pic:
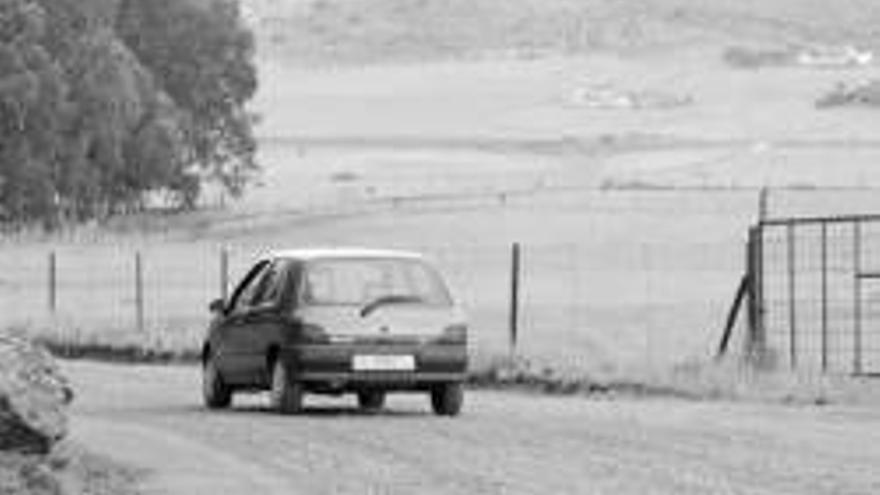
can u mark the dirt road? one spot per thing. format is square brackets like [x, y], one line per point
[505, 443]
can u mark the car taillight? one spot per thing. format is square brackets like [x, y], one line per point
[455, 334]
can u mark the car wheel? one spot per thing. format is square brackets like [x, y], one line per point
[447, 399]
[285, 395]
[216, 394]
[371, 400]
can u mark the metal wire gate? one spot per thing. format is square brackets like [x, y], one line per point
[813, 293]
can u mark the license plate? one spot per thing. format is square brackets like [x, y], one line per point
[383, 363]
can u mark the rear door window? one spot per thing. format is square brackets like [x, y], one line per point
[358, 281]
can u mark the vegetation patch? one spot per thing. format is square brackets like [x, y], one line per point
[120, 346]
[119, 353]
[68, 470]
[524, 374]
[731, 379]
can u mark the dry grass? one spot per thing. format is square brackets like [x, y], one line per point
[696, 379]
[732, 379]
[578, 371]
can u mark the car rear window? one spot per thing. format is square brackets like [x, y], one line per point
[358, 281]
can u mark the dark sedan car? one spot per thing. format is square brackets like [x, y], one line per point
[337, 321]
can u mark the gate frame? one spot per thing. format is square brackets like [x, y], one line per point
[757, 336]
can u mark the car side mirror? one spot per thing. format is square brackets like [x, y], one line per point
[217, 306]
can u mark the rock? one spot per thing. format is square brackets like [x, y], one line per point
[33, 397]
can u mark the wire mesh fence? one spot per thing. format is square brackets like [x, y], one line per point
[596, 305]
[609, 297]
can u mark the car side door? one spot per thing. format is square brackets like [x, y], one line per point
[229, 352]
[258, 325]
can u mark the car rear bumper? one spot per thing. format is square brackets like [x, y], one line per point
[331, 365]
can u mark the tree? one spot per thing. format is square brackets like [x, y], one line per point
[202, 56]
[126, 127]
[33, 106]
[105, 101]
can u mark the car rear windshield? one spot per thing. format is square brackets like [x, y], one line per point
[360, 281]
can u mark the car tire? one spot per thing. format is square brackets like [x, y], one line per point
[285, 395]
[447, 399]
[371, 400]
[215, 393]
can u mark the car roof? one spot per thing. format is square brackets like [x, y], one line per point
[341, 253]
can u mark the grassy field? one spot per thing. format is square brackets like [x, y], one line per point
[452, 128]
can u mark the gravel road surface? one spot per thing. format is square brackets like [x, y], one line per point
[504, 443]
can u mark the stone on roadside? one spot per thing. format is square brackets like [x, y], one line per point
[33, 397]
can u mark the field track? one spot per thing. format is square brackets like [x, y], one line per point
[507, 443]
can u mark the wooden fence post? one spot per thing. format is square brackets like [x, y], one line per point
[824, 281]
[791, 244]
[139, 291]
[53, 281]
[513, 322]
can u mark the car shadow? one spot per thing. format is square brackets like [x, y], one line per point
[310, 411]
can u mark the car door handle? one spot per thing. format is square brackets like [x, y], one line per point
[253, 315]
[248, 318]
[236, 319]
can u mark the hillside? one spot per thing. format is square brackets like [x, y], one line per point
[351, 31]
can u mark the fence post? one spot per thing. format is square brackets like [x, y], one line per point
[758, 288]
[824, 264]
[763, 200]
[755, 294]
[751, 306]
[757, 330]
[139, 291]
[857, 299]
[792, 295]
[53, 281]
[224, 273]
[513, 321]
[574, 320]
